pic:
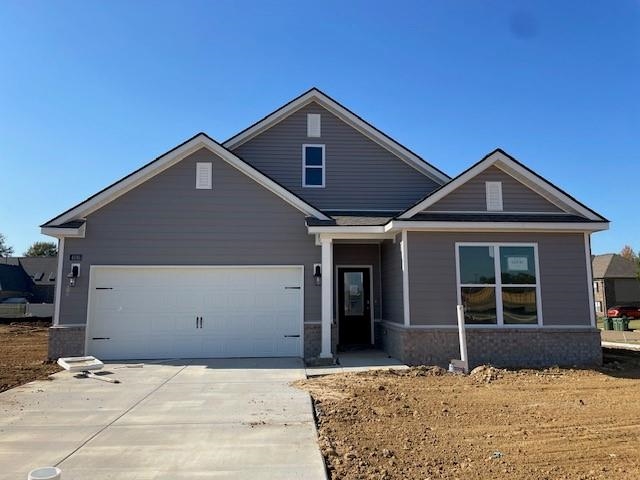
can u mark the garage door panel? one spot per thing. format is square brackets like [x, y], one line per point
[150, 312]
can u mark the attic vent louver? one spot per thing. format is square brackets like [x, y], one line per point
[494, 196]
[313, 125]
[203, 175]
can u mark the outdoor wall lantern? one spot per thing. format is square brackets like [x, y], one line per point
[317, 274]
[73, 274]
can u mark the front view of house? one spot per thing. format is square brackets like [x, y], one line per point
[310, 232]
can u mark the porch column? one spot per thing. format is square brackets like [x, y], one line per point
[327, 293]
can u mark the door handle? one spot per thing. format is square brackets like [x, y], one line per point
[292, 336]
[197, 322]
[201, 322]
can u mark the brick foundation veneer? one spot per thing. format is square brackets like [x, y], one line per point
[66, 341]
[313, 339]
[507, 347]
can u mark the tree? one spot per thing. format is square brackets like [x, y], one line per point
[5, 250]
[627, 252]
[42, 249]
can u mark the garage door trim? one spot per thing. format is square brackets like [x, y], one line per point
[91, 288]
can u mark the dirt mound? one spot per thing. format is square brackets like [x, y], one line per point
[23, 353]
[426, 423]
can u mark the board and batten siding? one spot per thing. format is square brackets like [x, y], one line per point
[471, 196]
[360, 174]
[391, 269]
[563, 275]
[360, 254]
[167, 221]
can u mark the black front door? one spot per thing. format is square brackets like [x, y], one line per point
[354, 306]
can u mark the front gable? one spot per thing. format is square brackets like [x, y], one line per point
[71, 222]
[359, 174]
[516, 197]
[499, 185]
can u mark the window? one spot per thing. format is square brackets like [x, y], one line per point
[203, 176]
[313, 125]
[313, 165]
[598, 306]
[494, 196]
[498, 284]
[596, 287]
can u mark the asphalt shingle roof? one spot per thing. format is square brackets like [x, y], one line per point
[612, 265]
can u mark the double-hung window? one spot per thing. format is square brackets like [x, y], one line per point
[499, 284]
[313, 166]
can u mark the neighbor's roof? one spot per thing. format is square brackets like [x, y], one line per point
[612, 265]
[14, 279]
[42, 270]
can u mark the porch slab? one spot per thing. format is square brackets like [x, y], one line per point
[357, 361]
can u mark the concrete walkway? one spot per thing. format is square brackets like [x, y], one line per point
[191, 419]
[358, 361]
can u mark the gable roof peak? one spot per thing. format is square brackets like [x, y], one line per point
[347, 116]
[517, 170]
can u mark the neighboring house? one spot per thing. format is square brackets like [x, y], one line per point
[312, 231]
[615, 282]
[14, 282]
[42, 271]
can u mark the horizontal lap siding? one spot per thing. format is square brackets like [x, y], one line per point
[166, 221]
[392, 300]
[563, 275]
[360, 174]
[516, 197]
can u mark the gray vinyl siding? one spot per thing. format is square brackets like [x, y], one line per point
[563, 275]
[361, 254]
[391, 268]
[166, 221]
[516, 197]
[360, 174]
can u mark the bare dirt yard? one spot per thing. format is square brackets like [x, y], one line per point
[425, 423]
[23, 354]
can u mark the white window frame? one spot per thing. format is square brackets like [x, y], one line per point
[498, 283]
[596, 286]
[305, 166]
[499, 206]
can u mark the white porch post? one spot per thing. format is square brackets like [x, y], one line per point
[327, 293]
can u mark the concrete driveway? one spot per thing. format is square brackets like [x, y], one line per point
[185, 419]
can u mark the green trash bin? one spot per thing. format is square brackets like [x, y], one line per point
[624, 323]
[620, 324]
[607, 323]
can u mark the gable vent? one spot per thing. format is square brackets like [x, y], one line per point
[494, 196]
[203, 176]
[313, 125]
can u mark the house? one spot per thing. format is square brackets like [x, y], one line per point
[41, 271]
[615, 282]
[312, 231]
[14, 282]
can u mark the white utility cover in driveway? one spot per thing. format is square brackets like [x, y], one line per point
[195, 312]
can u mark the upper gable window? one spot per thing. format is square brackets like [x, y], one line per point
[494, 196]
[313, 125]
[203, 176]
[313, 165]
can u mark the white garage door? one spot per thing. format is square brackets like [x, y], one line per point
[195, 312]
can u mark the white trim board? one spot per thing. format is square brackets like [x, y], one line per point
[315, 95]
[168, 160]
[502, 161]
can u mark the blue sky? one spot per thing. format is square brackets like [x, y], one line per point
[89, 91]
